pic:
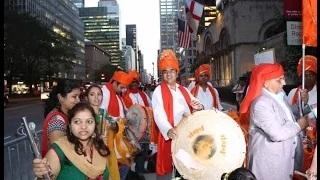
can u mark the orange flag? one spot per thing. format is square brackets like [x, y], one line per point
[309, 22]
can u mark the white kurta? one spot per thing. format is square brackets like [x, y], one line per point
[312, 101]
[137, 99]
[180, 107]
[205, 98]
[106, 101]
[312, 95]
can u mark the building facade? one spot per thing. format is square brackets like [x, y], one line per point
[131, 36]
[101, 26]
[62, 17]
[241, 29]
[129, 58]
[168, 24]
[96, 58]
[114, 31]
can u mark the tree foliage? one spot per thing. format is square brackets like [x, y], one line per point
[32, 50]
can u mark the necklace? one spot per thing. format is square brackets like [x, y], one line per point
[90, 155]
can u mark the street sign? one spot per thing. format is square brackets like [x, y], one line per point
[294, 33]
[266, 56]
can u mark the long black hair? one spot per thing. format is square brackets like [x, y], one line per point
[96, 140]
[63, 87]
[239, 174]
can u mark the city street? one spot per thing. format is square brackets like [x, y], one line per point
[33, 110]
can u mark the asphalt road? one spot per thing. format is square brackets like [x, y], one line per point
[13, 114]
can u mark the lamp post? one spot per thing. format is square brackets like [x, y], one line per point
[153, 69]
[211, 63]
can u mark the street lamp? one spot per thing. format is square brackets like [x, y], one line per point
[153, 69]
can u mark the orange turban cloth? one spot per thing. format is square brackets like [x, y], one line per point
[310, 64]
[134, 75]
[259, 75]
[122, 77]
[204, 68]
[167, 60]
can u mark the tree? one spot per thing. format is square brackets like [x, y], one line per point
[32, 50]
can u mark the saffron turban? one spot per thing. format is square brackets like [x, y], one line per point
[167, 60]
[260, 74]
[203, 69]
[310, 64]
[134, 75]
[122, 77]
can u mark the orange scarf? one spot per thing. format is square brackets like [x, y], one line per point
[164, 159]
[128, 101]
[195, 91]
[113, 108]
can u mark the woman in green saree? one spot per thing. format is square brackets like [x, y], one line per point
[81, 154]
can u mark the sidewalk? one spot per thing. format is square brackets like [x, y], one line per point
[228, 106]
[23, 99]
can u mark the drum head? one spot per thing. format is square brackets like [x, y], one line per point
[209, 143]
[137, 120]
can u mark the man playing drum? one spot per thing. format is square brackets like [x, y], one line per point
[170, 101]
[203, 90]
[136, 96]
[113, 105]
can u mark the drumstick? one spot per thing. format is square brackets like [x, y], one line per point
[300, 173]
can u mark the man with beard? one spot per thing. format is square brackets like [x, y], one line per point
[203, 90]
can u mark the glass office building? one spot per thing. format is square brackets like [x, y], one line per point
[101, 26]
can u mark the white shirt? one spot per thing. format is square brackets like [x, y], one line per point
[180, 107]
[106, 101]
[137, 99]
[312, 95]
[205, 98]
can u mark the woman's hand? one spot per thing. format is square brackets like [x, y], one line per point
[40, 167]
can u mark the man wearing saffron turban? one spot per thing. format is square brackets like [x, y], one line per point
[170, 102]
[203, 90]
[273, 128]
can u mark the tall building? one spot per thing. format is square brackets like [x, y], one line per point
[101, 25]
[96, 58]
[62, 17]
[78, 3]
[131, 36]
[131, 40]
[168, 24]
[129, 58]
[114, 32]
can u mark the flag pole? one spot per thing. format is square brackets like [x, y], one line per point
[303, 63]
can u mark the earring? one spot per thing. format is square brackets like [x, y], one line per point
[93, 135]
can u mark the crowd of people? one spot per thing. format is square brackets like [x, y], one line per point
[85, 138]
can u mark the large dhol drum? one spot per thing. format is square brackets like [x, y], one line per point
[209, 143]
[139, 121]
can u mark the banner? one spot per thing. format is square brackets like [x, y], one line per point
[309, 22]
[292, 9]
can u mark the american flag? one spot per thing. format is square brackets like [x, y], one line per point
[184, 34]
